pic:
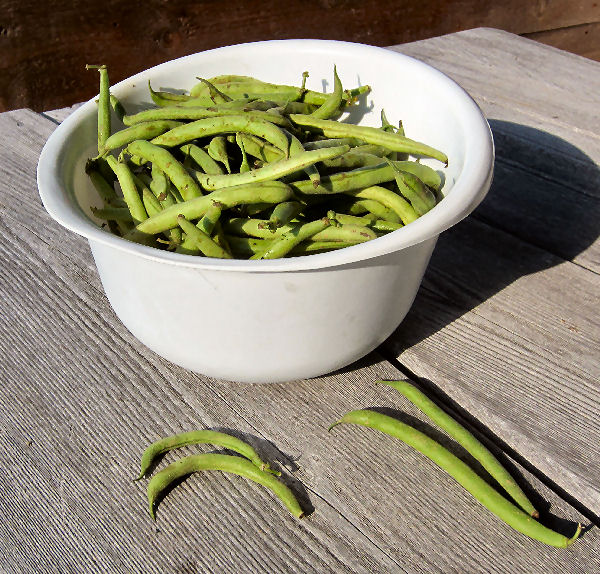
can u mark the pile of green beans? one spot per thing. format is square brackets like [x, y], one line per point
[521, 516]
[183, 175]
[249, 465]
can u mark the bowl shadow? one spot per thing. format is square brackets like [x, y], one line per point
[542, 209]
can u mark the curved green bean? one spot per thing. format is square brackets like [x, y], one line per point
[461, 435]
[206, 163]
[365, 177]
[273, 192]
[411, 187]
[224, 125]
[462, 473]
[129, 189]
[286, 242]
[141, 131]
[271, 171]
[395, 202]
[202, 241]
[200, 437]
[392, 141]
[182, 180]
[333, 102]
[226, 463]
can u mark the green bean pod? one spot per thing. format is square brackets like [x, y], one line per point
[182, 180]
[411, 187]
[366, 176]
[462, 473]
[220, 125]
[226, 463]
[269, 192]
[271, 171]
[206, 163]
[129, 189]
[467, 440]
[392, 141]
[201, 241]
[286, 242]
[333, 103]
[141, 131]
[398, 204]
[217, 149]
[103, 105]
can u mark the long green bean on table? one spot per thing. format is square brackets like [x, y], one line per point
[237, 147]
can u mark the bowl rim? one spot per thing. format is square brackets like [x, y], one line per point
[468, 190]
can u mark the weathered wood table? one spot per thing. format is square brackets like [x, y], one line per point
[505, 333]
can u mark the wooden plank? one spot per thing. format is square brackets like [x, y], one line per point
[548, 150]
[582, 39]
[81, 398]
[48, 44]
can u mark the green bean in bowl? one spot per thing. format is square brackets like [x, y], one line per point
[241, 168]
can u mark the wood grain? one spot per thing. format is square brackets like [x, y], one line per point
[45, 45]
[581, 39]
[81, 398]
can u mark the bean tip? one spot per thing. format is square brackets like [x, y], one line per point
[336, 423]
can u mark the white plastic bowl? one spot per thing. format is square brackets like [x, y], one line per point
[279, 320]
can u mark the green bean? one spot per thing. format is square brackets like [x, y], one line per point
[461, 435]
[244, 165]
[368, 221]
[374, 207]
[248, 246]
[166, 98]
[352, 160]
[217, 149]
[415, 191]
[141, 131]
[286, 242]
[179, 440]
[103, 105]
[332, 104]
[263, 230]
[388, 198]
[129, 189]
[365, 177]
[284, 212]
[317, 144]
[182, 180]
[104, 188]
[462, 473]
[271, 171]
[392, 141]
[151, 204]
[270, 192]
[117, 106]
[250, 87]
[112, 213]
[226, 463]
[222, 125]
[201, 240]
[216, 95]
[179, 113]
[260, 149]
[206, 163]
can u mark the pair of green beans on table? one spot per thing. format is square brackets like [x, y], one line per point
[249, 465]
[177, 176]
[520, 516]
